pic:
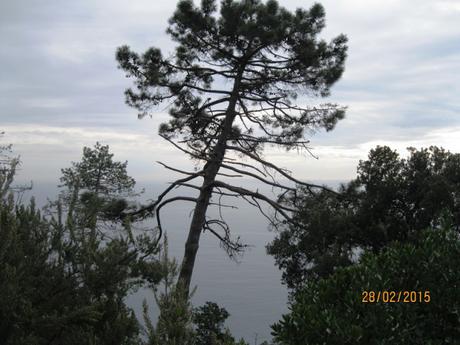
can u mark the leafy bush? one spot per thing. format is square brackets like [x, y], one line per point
[330, 311]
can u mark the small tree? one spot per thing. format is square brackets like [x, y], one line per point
[233, 85]
[97, 185]
[96, 190]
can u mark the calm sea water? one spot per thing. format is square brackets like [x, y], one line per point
[250, 290]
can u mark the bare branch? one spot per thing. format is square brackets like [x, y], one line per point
[243, 191]
[194, 155]
[180, 171]
[247, 173]
[160, 206]
[232, 161]
[151, 207]
[279, 170]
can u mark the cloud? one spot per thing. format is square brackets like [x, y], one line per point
[61, 89]
[44, 150]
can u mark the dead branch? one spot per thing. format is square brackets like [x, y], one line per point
[231, 247]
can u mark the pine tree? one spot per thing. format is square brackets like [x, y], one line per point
[234, 84]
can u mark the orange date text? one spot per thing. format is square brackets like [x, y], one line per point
[395, 296]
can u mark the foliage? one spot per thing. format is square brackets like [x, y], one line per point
[45, 299]
[98, 173]
[95, 191]
[331, 311]
[62, 284]
[97, 186]
[209, 322]
[392, 199]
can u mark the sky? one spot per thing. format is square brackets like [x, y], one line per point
[60, 88]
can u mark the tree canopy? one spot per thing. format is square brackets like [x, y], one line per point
[391, 199]
[234, 84]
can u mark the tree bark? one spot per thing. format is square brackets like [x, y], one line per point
[210, 171]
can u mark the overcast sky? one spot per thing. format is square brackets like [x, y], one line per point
[60, 88]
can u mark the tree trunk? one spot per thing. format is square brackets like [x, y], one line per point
[210, 171]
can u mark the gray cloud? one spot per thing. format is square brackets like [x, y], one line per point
[59, 76]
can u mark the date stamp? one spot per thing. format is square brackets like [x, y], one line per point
[395, 296]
